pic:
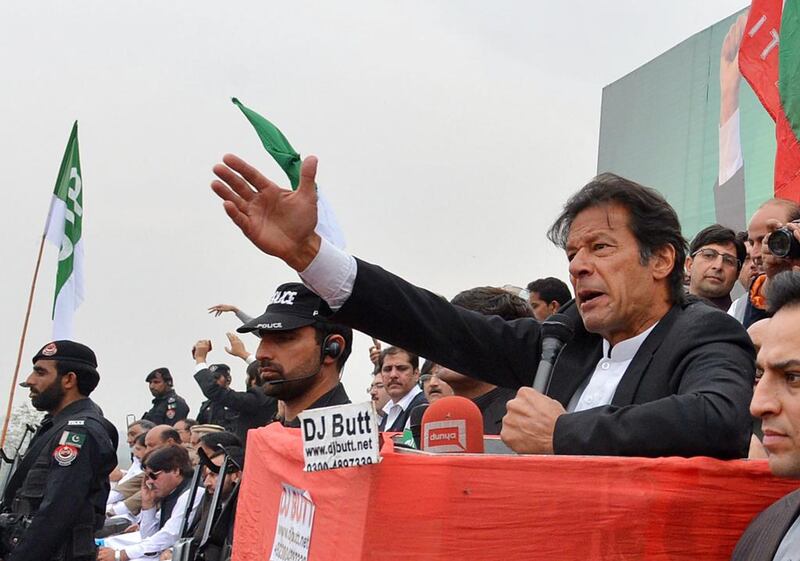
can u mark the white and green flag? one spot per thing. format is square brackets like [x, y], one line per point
[64, 225]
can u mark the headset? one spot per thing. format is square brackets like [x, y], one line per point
[330, 348]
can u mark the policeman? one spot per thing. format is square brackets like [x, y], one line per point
[253, 408]
[168, 407]
[56, 498]
[213, 412]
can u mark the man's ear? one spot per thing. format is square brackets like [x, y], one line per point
[662, 261]
[69, 380]
[339, 340]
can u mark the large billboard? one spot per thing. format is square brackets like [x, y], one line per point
[687, 124]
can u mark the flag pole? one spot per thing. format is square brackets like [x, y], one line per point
[22, 344]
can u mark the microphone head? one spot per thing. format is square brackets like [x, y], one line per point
[559, 326]
[452, 424]
[415, 423]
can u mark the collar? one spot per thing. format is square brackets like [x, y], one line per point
[74, 407]
[405, 401]
[624, 351]
[336, 396]
[167, 395]
[757, 297]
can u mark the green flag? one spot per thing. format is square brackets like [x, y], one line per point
[64, 228]
[279, 148]
[275, 143]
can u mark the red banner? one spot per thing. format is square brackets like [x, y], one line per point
[759, 65]
[503, 508]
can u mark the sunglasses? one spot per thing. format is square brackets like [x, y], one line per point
[153, 475]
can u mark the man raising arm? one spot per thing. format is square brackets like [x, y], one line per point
[647, 373]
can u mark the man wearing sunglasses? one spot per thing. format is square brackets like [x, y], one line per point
[165, 494]
[713, 264]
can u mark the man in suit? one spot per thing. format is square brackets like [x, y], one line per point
[400, 372]
[648, 372]
[775, 533]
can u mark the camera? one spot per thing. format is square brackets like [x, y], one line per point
[782, 243]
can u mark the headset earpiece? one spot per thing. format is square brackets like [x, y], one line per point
[331, 348]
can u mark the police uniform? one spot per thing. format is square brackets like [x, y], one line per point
[58, 492]
[167, 409]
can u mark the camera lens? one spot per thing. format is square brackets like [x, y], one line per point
[782, 244]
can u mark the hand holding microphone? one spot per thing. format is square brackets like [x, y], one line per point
[530, 422]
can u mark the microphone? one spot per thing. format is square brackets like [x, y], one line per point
[415, 423]
[452, 424]
[556, 332]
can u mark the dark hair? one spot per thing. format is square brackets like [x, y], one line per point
[171, 433]
[427, 366]
[652, 221]
[720, 235]
[212, 439]
[323, 329]
[391, 351]
[163, 372]
[783, 290]
[169, 458]
[491, 301]
[140, 439]
[551, 289]
[144, 423]
[188, 422]
[87, 376]
[253, 373]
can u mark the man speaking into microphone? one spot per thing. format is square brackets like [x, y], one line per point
[648, 372]
[301, 354]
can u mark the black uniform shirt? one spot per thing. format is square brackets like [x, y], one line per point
[337, 396]
[255, 408]
[62, 482]
[167, 409]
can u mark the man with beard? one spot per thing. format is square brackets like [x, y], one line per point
[55, 500]
[301, 355]
[168, 407]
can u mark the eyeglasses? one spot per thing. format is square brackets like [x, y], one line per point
[153, 475]
[426, 378]
[374, 387]
[711, 255]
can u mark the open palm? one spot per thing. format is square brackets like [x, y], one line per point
[278, 221]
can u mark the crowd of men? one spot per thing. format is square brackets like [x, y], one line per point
[660, 363]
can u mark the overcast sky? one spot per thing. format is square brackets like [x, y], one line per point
[449, 135]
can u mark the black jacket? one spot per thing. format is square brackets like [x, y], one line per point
[400, 423]
[254, 408]
[336, 396]
[763, 536]
[493, 408]
[686, 392]
[62, 482]
[167, 409]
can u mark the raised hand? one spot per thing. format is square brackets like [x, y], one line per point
[237, 348]
[278, 221]
[219, 309]
[729, 76]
